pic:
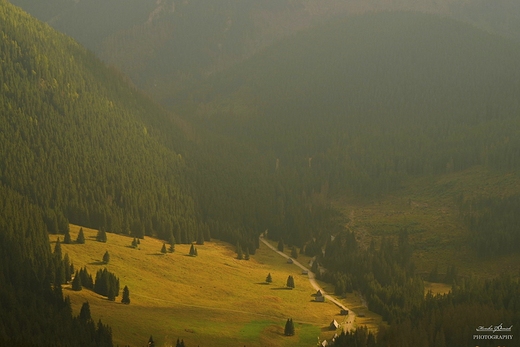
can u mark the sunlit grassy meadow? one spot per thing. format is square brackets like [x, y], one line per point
[209, 300]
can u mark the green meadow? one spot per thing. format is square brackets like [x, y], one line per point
[213, 299]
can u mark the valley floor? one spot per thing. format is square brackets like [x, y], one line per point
[209, 300]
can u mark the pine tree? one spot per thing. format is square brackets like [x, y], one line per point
[240, 256]
[280, 245]
[172, 243]
[106, 257]
[134, 243]
[269, 279]
[84, 313]
[67, 240]
[76, 282]
[57, 249]
[111, 292]
[163, 249]
[66, 268]
[101, 235]
[246, 256]
[151, 343]
[81, 237]
[290, 282]
[126, 296]
[289, 328]
[193, 251]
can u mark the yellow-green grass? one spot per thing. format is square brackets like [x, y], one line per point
[436, 288]
[352, 300]
[209, 300]
[427, 208]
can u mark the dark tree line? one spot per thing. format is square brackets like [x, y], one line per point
[33, 310]
[494, 223]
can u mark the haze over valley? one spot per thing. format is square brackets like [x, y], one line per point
[204, 170]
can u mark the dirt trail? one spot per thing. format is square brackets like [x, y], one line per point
[349, 319]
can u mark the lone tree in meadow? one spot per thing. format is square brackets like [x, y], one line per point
[101, 235]
[106, 257]
[289, 328]
[163, 249]
[290, 282]
[280, 245]
[134, 243]
[67, 239]
[193, 251]
[269, 279]
[126, 296]
[81, 237]
[151, 343]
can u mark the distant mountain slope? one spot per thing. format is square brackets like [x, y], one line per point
[163, 45]
[374, 98]
[79, 142]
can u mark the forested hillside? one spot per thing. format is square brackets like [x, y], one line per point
[165, 45]
[365, 102]
[81, 144]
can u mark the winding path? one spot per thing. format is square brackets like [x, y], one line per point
[348, 323]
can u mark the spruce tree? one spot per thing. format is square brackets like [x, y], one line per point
[76, 282]
[289, 328]
[84, 313]
[172, 243]
[240, 256]
[269, 279]
[57, 249]
[193, 252]
[246, 256]
[151, 343]
[163, 249]
[67, 240]
[81, 237]
[280, 245]
[101, 235]
[106, 257]
[290, 282]
[111, 292]
[126, 296]
[66, 268]
[134, 243]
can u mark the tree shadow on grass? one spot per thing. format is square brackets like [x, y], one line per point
[99, 262]
[281, 288]
[156, 254]
[262, 283]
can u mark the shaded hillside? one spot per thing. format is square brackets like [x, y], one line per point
[373, 99]
[81, 144]
[163, 45]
